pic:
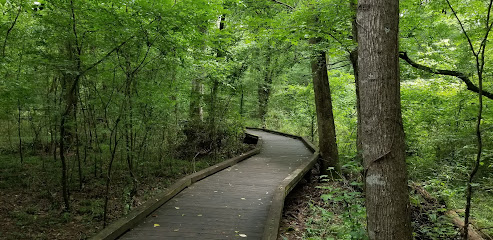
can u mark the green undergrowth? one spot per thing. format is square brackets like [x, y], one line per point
[448, 185]
[335, 209]
[339, 215]
[32, 203]
[429, 220]
[453, 195]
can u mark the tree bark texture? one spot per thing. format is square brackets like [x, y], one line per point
[196, 112]
[19, 130]
[325, 117]
[264, 91]
[353, 57]
[382, 134]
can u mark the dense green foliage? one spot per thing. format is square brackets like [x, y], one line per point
[160, 90]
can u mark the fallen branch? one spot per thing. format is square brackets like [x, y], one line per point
[425, 194]
[472, 233]
[470, 85]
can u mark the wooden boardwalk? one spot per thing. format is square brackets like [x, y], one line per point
[230, 204]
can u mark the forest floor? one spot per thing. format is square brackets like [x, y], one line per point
[31, 202]
[335, 210]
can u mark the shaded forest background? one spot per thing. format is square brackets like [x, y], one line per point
[103, 104]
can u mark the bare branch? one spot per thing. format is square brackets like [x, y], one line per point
[470, 85]
[74, 28]
[482, 47]
[463, 29]
[284, 4]
[106, 56]
[9, 30]
[489, 12]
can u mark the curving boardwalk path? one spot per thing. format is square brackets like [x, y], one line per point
[230, 204]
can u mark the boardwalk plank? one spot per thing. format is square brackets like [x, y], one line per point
[226, 204]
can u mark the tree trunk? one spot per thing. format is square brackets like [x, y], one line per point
[113, 146]
[213, 113]
[19, 130]
[382, 134]
[69, 87]
[77, 149]
[354, 61]
[264, 91]
[325, 119]
[9, 136]
[196, 113]
[128, 125]
[242, 100]
[353, 56]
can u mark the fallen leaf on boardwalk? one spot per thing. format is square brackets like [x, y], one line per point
[177, 208]
[176, 230]
[243, 235]
[243, 198]
[156, 225]
[200, 215]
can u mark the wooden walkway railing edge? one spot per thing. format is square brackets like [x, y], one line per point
[127, 222]
[274, 216]
[305, 141]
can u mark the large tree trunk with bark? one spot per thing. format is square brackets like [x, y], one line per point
[382, 134]
[325, 119]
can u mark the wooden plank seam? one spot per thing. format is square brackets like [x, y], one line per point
[122, 225]
[271, 228]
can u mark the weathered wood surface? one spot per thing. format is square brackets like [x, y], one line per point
[233, 203]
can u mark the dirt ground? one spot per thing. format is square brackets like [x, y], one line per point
[296, 209]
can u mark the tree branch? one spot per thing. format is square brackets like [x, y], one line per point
[106, 56]
[463, 29]
[9, 30]
[284, 4]
[470, 85]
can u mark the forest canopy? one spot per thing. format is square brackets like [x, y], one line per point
[103, 103]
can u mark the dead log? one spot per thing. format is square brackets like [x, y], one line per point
[452, 214]
[473, 234]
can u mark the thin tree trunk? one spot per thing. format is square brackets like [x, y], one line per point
[312, 129]
[114, 133]
[9, 136]
[77, 150]
[19, 130]
[353, 56]
[242, 100]
[382, 134]
[63, 134]
[354, 61]
[263, 91]
[195, 112]
[327, 141]
[129, 136]
[214, 95]
[479, 56]
[9, 30]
